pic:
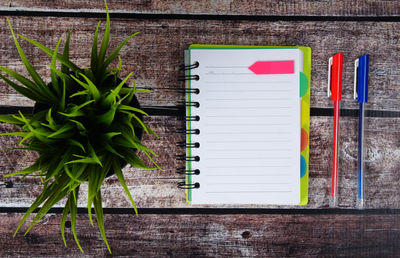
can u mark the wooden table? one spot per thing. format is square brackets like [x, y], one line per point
[167, 225]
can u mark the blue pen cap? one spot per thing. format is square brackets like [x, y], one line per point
[362, 79]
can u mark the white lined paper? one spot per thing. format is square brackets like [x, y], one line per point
[249, 128]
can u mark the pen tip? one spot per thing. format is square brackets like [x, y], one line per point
[332, 202]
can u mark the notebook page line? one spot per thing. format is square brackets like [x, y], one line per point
[264, 191]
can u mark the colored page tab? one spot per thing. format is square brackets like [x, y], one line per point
[273, 67]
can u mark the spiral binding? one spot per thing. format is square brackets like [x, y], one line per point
[186, 91]
[190, 67]
[190, 104]
[188, 77]
[192, 118]
[185, 131]
[188, 145]
[183, 185]
[183, 170]
[188, 158]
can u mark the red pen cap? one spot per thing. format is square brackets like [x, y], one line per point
[335, 73]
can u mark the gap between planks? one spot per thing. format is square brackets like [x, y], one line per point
[221, 211]
[180, 111]
[124, 14]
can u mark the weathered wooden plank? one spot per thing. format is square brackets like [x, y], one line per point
[165, 147]
[211, 235]
[237, 7]
[381, 169]
[154, 70]
[156, 54]
[158, 189]
[14, 193]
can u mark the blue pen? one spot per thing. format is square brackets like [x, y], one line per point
[361, 94]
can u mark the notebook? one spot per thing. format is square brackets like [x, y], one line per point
[247, 124]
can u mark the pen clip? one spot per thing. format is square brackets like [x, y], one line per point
[329, 92]
[356, 63]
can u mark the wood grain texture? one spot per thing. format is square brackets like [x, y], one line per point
[158, 189]
[165, 146]
[146, 185]
[155, 55]
[211, 235]
[212, 7]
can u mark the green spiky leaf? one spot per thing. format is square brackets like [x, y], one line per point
[64, 68]
[29, 67]
[94, 55]
[54, 79]
[118, 172]
[112, 56]
[50, 52]
[104, 42]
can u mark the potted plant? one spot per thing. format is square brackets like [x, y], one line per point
[87, 123]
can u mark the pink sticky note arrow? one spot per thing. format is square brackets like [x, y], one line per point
[273, 67]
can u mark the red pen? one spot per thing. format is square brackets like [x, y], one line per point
[335, 92]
